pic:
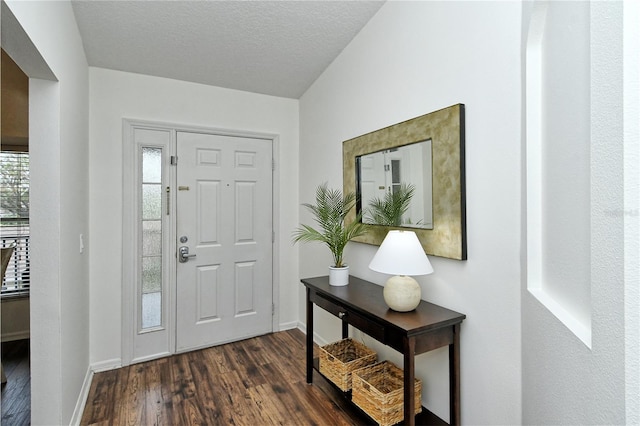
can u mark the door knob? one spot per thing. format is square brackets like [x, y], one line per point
[183, 254]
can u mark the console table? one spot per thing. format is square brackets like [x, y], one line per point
[361, 304]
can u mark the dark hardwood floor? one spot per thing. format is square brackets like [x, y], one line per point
[16, 393]
[259, 381]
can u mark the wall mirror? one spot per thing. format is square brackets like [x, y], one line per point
[395, 186]
[411, 175]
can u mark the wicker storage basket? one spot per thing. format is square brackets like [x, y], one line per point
[339, 359]
[379, 391]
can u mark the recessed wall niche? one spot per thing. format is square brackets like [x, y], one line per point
[558, 197]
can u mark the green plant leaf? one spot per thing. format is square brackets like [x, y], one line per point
[330, 210]
[388, 211]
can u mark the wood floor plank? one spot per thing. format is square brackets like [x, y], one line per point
[17, 418]
[16, 392]
[135, 402]
[182, 379]
[120, 404]
[255, 351]
[245, 367]
[259, 381]
[217, 359]
[103, 423]
[187, 412]
[181, 388]
[271, 407]
[154, 402]
[320, 414]
[202, 374]
[291, 369]
[102, 388]
[91, 413]
[166, 391]
[120, 383]
[233, 385]
[275, 375]
[13, 392]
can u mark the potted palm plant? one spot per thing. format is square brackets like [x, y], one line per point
[330, 210]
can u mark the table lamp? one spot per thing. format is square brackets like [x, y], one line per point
[401, 255]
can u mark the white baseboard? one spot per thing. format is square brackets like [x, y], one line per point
[82, 398]
[110, 364]
[288, 325]
[319, 340]
[16, 335]
[302, 327]
[316, 337]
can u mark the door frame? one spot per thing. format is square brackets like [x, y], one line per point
[129, 218]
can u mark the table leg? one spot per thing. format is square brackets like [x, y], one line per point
[454, 377]
[309, 338]
[409, 378]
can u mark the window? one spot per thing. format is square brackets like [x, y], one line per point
[14, 220]
[151, 190]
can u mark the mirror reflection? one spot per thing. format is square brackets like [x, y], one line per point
[395, 186]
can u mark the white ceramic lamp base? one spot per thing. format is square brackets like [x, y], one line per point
[402, 293]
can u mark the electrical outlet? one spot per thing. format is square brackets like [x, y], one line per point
[81, 243]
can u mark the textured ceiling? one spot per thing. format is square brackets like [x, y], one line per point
[272, 47]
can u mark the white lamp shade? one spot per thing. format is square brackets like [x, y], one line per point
[401, 254]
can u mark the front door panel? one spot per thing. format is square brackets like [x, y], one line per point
[224, 217]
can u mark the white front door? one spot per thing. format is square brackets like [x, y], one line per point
[224, 220]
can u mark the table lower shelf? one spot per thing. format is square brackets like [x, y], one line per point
[426, 417]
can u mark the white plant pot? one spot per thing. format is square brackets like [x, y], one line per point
[338, 276]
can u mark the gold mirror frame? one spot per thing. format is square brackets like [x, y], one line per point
[445, 128]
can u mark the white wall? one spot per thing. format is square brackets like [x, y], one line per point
[564, 380]
[116, 95]
[413, 58]
[59, 211]
[631, 43]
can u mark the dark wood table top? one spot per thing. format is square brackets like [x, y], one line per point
[367, 297]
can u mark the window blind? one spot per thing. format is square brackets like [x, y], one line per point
[14, 219]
